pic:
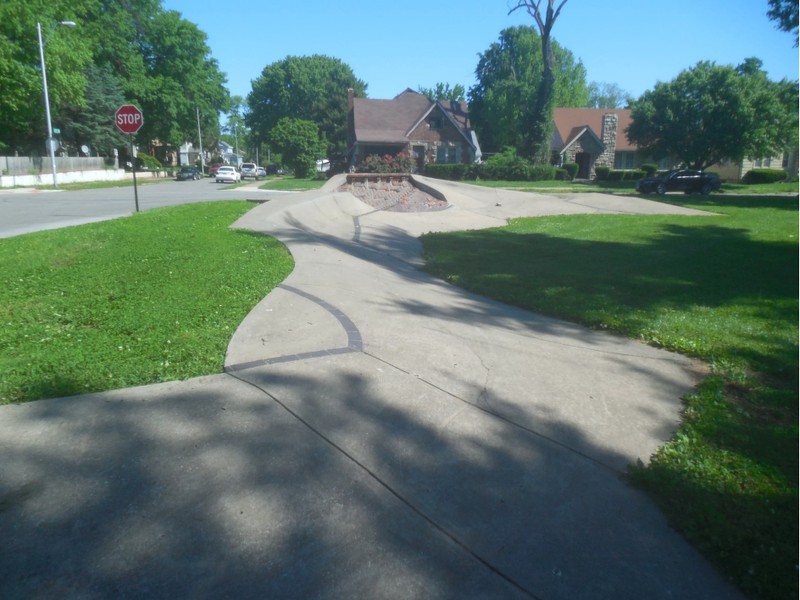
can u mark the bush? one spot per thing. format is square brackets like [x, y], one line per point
[505, 166]
[631, 175]
[764, 176]
[399, 163]
[601, 172]
[562, 175]
[650, 169]
[571, 169]
[452, 172]
[145, 162]
[542, 173]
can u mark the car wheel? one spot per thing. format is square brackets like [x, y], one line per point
[661, 188]
[706, 189]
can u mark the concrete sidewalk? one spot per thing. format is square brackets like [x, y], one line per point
[377, 434]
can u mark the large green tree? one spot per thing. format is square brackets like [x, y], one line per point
[785, 13]
[299, 142]
[607, 95]
[161, 62]
[312, 88]
[443, 91]
[504, 101]
[711, 113]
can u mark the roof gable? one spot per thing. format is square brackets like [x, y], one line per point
[570, 122]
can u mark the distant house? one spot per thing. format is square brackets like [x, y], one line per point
[593, 137]
[430, 131]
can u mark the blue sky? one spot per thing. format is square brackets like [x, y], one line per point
[412, 43]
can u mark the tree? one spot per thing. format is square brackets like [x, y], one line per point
[608, 95]
[785, 12]
[443, 91]
[299, 142]
[89, 124]
[711, 113]
[538, 124]
[508, 78]
[312, 88]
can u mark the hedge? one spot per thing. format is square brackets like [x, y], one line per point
[764, 176]
[631, 175]
[452, 172]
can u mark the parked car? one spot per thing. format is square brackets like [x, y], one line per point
[249, 170]
[188, 172]
[212, 170]
[226, 173]
[262, 172]
[680, 180]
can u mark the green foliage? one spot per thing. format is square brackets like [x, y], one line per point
[763, 176]
[505, 165]
[785, 13]
[601, 172]
[542, 173]
[571, 169]
[649, 168]
[508, 77]
[147, 162]
[310, 88]
[124, 297]
[401, 162]
[625, 175]
[711, 113]
[443, 91]
[299, 142]
[156, 59]
[607, 95]
[451, 172]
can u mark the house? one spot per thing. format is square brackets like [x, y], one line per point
[593, 137]
[430, 131]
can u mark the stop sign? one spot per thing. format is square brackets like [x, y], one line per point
[128, 118]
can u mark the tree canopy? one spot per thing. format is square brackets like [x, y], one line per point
[607, 95]
[311, 88]
[785, 13]
[299, 143]
[155, 58]
[710, 113]
[508, 77]
[443, 91]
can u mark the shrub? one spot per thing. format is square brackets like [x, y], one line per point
[399, 163]
[452, 172]
[542, 173]
[146, 162]
[649, 168]
[571, 168]
[631, 175]
[505, 165]
[763, 176]
[562, 175]
[601, 172]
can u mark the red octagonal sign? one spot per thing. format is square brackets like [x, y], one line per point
[128, 118]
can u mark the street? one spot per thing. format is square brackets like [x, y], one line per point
[24, 210]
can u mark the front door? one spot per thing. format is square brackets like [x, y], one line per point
[584, 160]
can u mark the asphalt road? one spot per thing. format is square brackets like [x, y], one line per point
[25, 210]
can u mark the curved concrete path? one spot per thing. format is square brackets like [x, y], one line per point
[377, 434]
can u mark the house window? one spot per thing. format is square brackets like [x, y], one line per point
[448, 153]
[436, 123]
[624, 160]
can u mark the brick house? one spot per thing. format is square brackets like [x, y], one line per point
[430, 131]
[593, 137]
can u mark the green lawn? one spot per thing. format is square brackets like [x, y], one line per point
[292, 184]
[723, 288]
[148, 298]
[628, 187]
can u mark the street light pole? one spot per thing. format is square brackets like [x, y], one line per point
[50, 141]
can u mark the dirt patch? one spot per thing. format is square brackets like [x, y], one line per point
[393, 194]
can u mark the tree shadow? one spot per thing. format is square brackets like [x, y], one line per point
[328, 485]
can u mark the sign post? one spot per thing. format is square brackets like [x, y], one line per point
[129, 119]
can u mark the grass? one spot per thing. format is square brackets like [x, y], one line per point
[722, 288]
[292, 184]
[93, 185]
[149, 298]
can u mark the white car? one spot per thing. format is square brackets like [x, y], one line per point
[226, 173]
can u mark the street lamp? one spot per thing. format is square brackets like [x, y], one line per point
[50, 141]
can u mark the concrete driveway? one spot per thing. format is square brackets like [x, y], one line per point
[377, 434]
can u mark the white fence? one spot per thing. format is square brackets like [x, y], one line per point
[28, 171]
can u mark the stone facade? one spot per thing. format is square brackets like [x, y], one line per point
[609, 139]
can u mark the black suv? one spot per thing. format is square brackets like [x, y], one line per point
[680, 180]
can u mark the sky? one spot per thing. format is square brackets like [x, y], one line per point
[394, 45]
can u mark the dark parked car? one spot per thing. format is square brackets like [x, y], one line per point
[680, 180]
[188, 173]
